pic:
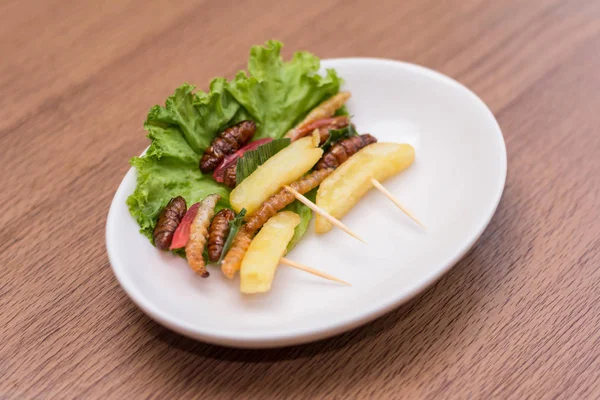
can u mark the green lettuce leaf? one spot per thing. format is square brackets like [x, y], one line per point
[278, 94]
[159, 180]
[200, 116]
[275, 94]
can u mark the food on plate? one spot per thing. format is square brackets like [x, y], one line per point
[342, 189]
[265, 251]
[254, 158]
[167, 223]
[226, 143]
[324, 110]
[182, 233]
[324, 126]
[271, 92]
[232, 261]
[229, 176]
[283, 198]
[283, 168]
[218, 232]
[194, 248]
[344, 149]
[226, 171]
[235, 149]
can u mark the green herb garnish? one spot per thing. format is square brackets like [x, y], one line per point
[339, 134]
[234, 227]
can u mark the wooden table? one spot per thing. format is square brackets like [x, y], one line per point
[518, 317]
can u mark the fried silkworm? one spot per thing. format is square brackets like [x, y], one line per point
[168, 220]
[225, 143]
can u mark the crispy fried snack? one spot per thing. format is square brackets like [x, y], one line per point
[282, 198]
[199, 233]
[324, 110]
[345, 186]
[342, 150]
[229, 178]
[225, 143]
[218, 232]
[235, 255]
[233, 259]
[168, 220]
[323, 125]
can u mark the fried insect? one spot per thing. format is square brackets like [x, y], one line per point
[235, 255]
[168, 220]
[218, 232]
[342, 150]
[282, 198]
[323, 125]
[229, 177]
[324, 110]
[233, 259]
[199, 233]
[225, 143]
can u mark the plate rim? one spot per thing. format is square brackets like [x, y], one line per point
[333, 327]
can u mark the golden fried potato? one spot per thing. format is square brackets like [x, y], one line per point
[282, 169]
[341, 190]
[265, 251]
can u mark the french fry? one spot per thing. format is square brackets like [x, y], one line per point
[265, 251]
[233, 259]
[283, 168]
[341, 190]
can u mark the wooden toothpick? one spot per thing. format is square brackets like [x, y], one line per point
[394, 200]
[312, 271]
[322, 213]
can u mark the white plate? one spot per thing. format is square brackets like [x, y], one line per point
[454, 187]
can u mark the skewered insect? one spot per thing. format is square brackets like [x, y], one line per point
[218, 232]
[233, 259]
[323, 125]
[342, 150]
[282, 198]
[225, 143]
[235, 255]
[285, 167]
[168, 220]
[324, 110]
[199, 233]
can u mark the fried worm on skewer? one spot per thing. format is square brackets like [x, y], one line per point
[324, 110]
[342, 150]
[218, 232]
[336, 155]
[226, 143]
[199, 233]
[233, 259]
[168, 220]
[323, 126]
[282, 198]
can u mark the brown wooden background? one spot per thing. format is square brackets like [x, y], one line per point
[518, 317]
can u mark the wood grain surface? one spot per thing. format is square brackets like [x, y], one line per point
[518, 317]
